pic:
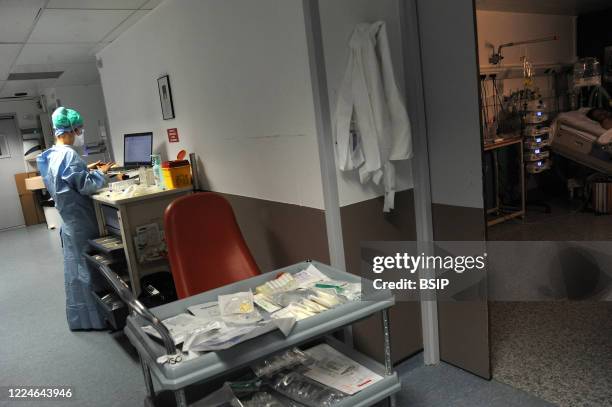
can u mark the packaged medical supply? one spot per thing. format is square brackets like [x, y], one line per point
[309, 276]
[265, 303]
[290, 297]
[179, 326]
[351, 291]
[293, 310]
[336, 370]
[243, 319]
[325, 298]
[237, 303]
[285, 282]
[282, 361]
[228, 336]
[207, 310]
[312, 306]
[263, 399]
[306, 391]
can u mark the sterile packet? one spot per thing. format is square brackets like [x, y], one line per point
[265, 303]
[237, 303]
[264, 399]
[309, 276]
[243, 319]
[179, 326]
[290, 297]
[276, 363]
[293, 310]
[284, 282]
[207, 310]
[326, 297]
[351, 291]
[306, 391]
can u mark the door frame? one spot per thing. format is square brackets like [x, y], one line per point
[15, 117]
[420, 163]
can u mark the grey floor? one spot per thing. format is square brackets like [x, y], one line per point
[559, 351]
[563, 223]
[36, 347]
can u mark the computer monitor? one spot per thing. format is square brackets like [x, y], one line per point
[137, 149]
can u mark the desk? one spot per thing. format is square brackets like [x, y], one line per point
[132, 213]
[505, 212]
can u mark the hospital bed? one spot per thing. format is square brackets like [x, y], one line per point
[583, 140]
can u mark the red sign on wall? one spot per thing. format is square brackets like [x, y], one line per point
[173, 135]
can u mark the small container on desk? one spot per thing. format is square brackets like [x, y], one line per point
[176, 174]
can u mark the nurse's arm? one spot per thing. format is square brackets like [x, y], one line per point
[84, 181]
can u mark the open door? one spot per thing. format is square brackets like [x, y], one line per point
[450, 87]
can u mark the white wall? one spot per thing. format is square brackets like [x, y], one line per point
[496, 27]
[240, 81]
[338, 19]
[89, 102]
[27, 111]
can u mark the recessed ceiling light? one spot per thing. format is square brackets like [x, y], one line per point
[25, 76]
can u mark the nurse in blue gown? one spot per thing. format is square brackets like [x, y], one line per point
[71, 183]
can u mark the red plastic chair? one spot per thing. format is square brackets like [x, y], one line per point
[205, 246]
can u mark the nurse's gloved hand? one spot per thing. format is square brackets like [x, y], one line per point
[93, 166]
[105, 167]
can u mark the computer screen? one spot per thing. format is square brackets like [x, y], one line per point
[137, 149]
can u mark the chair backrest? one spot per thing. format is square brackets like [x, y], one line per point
[205, 246]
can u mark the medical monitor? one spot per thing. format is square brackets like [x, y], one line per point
[137, 149]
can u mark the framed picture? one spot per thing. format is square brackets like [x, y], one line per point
[165, 97]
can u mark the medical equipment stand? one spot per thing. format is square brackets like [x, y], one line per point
[175, 375]
[512, 212]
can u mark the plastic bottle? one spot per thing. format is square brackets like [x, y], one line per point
[157, 171]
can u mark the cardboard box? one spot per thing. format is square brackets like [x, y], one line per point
[34, 183]
[20, 181]
[32, 212]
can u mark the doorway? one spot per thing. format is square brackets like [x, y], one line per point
[541, 172]
[11, 163]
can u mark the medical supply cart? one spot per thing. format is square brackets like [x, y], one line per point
[123, 217]
[175, 376]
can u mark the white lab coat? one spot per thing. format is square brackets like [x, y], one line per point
[370, 99]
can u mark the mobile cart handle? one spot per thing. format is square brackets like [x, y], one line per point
[124, 292]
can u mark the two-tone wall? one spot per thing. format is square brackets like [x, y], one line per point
[240, 80]
[361, 206]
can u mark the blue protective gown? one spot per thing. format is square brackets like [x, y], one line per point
[71, 184]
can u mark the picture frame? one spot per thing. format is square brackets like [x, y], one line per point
[165, 97]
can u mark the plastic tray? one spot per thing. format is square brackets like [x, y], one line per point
[214, 364]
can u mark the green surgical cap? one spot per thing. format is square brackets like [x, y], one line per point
[65, 120]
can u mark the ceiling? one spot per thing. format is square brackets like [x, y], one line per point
[60, 35]
[560, 7]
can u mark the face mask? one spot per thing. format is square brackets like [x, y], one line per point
[79, 140]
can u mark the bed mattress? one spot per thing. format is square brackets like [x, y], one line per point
[583, 140]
